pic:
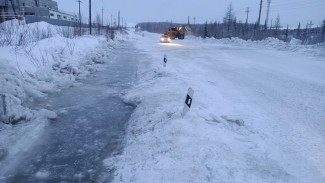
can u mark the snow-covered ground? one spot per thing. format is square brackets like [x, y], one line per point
[35, 69]
[294, 45]
[257, 113]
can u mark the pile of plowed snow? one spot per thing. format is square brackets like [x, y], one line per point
[44, 65]
[295, 45]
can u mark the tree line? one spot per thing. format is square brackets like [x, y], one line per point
[231, 27]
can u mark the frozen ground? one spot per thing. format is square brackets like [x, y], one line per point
[257, 113]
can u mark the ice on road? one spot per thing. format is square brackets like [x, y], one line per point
[90, 127]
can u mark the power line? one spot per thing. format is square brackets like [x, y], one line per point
[300, 6]
[286, 5]
[296, 2]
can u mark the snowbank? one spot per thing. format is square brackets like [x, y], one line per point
[294, 45]
[44, 65]
[12, 94]
[244, 124]
[17, 33]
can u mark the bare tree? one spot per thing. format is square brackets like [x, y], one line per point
[305, 35]
[298, 31]
[323, 32]
[229, 17]
[277, 25]
[98, 24]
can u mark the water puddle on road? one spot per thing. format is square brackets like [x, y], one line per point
[90, 126]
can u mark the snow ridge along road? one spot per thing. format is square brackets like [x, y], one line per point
[90, 126]
[258, 115]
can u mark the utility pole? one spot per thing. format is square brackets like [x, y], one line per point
[267, 13]
[102, 16]
[194, 20]
[247, 11]
[90, 17]
[79, 1]
[188, 20]
[259, 16]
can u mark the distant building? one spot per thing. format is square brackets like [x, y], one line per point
[10, 9]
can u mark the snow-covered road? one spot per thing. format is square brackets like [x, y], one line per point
[90, 127]
[257, 115]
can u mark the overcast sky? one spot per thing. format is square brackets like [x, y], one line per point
[134, 11]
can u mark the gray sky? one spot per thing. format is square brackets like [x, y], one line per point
[133, 11]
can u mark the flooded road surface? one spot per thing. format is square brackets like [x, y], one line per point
[90, 126]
